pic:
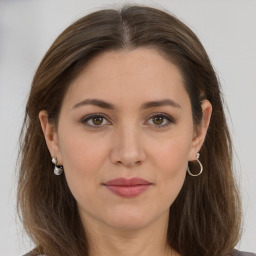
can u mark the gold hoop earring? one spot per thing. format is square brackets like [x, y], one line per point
[201, 167]
[58, 169]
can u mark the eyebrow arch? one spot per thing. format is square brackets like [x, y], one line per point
[146, 105]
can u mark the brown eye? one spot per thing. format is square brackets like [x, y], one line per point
[161, 120]
[97, 120]
[94, 121]
[158, 120]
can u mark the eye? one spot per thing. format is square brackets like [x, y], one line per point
[94, 121]
[161, 120]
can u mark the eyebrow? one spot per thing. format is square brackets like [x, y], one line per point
[146, 105]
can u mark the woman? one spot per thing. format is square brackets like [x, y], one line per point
[125, 148]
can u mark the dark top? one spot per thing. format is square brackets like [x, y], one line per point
[237, 253]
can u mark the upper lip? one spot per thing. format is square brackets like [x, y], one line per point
[127, 182]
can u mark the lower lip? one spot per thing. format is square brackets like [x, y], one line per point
[128, 191]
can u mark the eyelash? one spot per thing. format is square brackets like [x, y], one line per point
[90, 117]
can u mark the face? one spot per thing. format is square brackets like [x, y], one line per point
[125, 137]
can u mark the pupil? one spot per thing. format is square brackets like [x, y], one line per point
[158, 119]
[97, 120]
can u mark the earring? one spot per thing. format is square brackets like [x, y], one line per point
[58, 169]
[201, 167]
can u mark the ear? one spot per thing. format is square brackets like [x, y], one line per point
[201, 130]
[50, 135]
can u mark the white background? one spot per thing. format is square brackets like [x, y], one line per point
[227, 29]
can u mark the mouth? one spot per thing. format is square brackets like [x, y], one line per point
[128, 187]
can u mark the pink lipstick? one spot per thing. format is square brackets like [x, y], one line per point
[128, 187]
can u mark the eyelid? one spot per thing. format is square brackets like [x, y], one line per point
[91, 116]
[169, 118]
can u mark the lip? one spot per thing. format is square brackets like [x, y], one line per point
[127, 182]
[128, 187]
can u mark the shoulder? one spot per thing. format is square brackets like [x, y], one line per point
[30, 254]
[240, 253]
[236, 253]
[34, 252]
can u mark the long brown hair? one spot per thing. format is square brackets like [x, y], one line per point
[205, 217]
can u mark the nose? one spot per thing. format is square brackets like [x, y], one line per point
[127, 148]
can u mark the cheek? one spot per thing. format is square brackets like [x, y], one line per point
[172, 159]
[173, 152]
[82, 159]
[80, 153]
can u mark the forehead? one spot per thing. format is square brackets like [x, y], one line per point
[128, 76]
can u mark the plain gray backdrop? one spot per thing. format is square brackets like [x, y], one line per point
[227, 31]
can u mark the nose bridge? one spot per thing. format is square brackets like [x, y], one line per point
[127, 147]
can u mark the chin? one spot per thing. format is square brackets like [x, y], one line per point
[128, 219]
[127, 224]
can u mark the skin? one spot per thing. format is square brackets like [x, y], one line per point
[129, 143]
